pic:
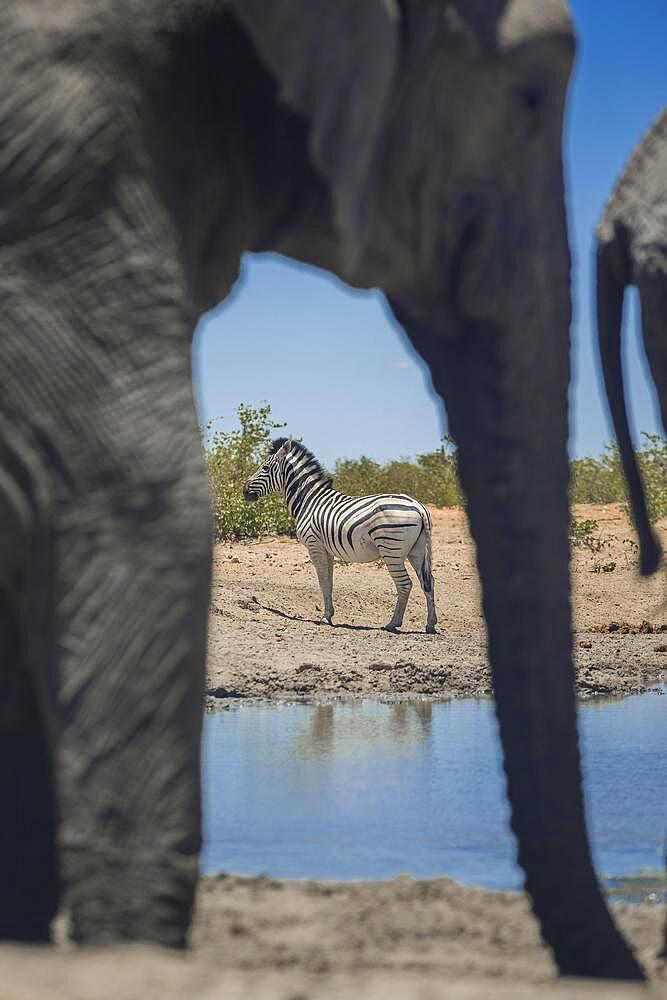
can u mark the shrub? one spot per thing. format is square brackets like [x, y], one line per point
[607, 567]
[431, 478]
[232, 456]
[653, 465]
[601, 480]
[583, 535]
[597, 480]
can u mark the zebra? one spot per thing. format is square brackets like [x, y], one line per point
[388, 526]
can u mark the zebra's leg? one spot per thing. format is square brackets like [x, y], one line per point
[323, 563]
[417, 557]
[394, 560]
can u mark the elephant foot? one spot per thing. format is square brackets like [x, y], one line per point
[325, 620]
[391, 628]
[107, 921]
[113, 900]
[431, 630]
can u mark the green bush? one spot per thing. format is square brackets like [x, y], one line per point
[583, 535]
[600, 480]
[431, 478]
[597, 480]
[232, 456]
[653, 465]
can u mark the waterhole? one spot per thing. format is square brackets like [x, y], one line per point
[370, 789]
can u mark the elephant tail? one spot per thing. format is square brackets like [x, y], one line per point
[613, 275]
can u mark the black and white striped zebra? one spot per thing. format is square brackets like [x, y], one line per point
[388, 526]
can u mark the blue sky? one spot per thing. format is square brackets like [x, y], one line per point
[334, 365]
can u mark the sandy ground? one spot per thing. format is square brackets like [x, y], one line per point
[403, 924]
[264, 640]
[395, 940]
[147, 974]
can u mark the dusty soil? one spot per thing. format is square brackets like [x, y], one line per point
[148, 974]
[394, 940]
[432, 925]
[264, 639]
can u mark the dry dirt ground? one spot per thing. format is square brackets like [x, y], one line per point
[402, 939]
[148, 974]
[399, 925]
[264, 640]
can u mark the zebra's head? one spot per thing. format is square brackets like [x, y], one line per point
[271, 477]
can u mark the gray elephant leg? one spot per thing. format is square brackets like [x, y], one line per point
[28, 867]
[96, 363]
[132, 572]
[613, 274]
[506, 400]
[653, 298]
[122, 650]
[119, 656]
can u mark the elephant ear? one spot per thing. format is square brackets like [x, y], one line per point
[334, 62]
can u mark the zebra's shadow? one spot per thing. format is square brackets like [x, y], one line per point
[345, 625]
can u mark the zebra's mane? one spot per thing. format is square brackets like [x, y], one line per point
[303, 451]
[277, 444]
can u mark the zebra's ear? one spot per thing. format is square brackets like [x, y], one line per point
[334, 63]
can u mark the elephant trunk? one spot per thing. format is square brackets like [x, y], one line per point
[610, 288]
[505, 389]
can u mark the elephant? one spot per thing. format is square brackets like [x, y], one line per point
[632, 249]
[412, 146]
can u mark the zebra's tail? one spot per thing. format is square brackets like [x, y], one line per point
[425, 573]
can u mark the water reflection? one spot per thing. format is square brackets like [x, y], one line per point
[355, 732]
[369, 789]
[321, 734]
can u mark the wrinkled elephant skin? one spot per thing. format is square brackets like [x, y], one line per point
[632, 250]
